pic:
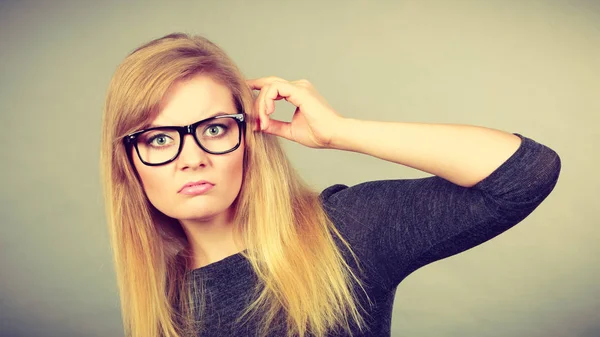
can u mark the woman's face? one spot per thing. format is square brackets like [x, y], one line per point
[187, 102]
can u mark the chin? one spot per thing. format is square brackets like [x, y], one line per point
[200, 213]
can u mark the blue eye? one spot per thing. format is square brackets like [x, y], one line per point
[215, 130]
[159, 140]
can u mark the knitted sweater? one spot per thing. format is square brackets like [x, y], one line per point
[395, 227]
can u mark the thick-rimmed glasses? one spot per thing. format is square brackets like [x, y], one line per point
[161, 145]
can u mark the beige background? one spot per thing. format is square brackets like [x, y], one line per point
[530, 67]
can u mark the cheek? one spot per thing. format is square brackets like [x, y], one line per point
[240, 161]
[232, 175]
[233, 167]
[153, 180]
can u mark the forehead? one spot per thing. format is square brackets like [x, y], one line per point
[190, 100]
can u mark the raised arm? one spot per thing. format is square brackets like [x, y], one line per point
[461, 154]
[485, 180]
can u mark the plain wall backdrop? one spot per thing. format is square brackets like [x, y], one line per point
[530, 67]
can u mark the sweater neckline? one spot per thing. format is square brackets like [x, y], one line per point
[229, 263]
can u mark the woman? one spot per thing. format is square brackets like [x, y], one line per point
[214, 233]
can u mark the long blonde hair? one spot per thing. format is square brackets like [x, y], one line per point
[289, 237]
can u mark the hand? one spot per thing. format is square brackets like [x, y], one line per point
[314, 121]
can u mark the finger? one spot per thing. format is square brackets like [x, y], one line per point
[266, 106]
[254, 84]
[279, 128]
[264, 118]
[256, 113]
[259, 83]
[270, 105]
[279, 90]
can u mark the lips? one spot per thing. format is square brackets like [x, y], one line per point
[195, 183]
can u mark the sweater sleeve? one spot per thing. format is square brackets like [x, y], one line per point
[402, 225]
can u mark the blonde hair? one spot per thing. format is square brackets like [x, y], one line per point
[289, 237]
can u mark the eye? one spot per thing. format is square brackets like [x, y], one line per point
[159, 140]
[215, 130]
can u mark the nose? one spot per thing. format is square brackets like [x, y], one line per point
[191, 156]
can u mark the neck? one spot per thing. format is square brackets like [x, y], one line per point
[211, 239]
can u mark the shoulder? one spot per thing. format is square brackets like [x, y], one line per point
[370, 194]
[328, 192]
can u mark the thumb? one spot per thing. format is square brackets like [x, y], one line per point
[279, 128]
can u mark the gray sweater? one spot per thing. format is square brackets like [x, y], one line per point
[395, 227]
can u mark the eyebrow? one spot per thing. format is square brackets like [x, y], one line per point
[220, 113]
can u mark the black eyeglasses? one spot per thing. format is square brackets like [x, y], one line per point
[161, 145]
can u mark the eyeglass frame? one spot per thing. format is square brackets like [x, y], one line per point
[131, 139]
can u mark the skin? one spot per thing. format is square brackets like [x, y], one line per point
[206, 218]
